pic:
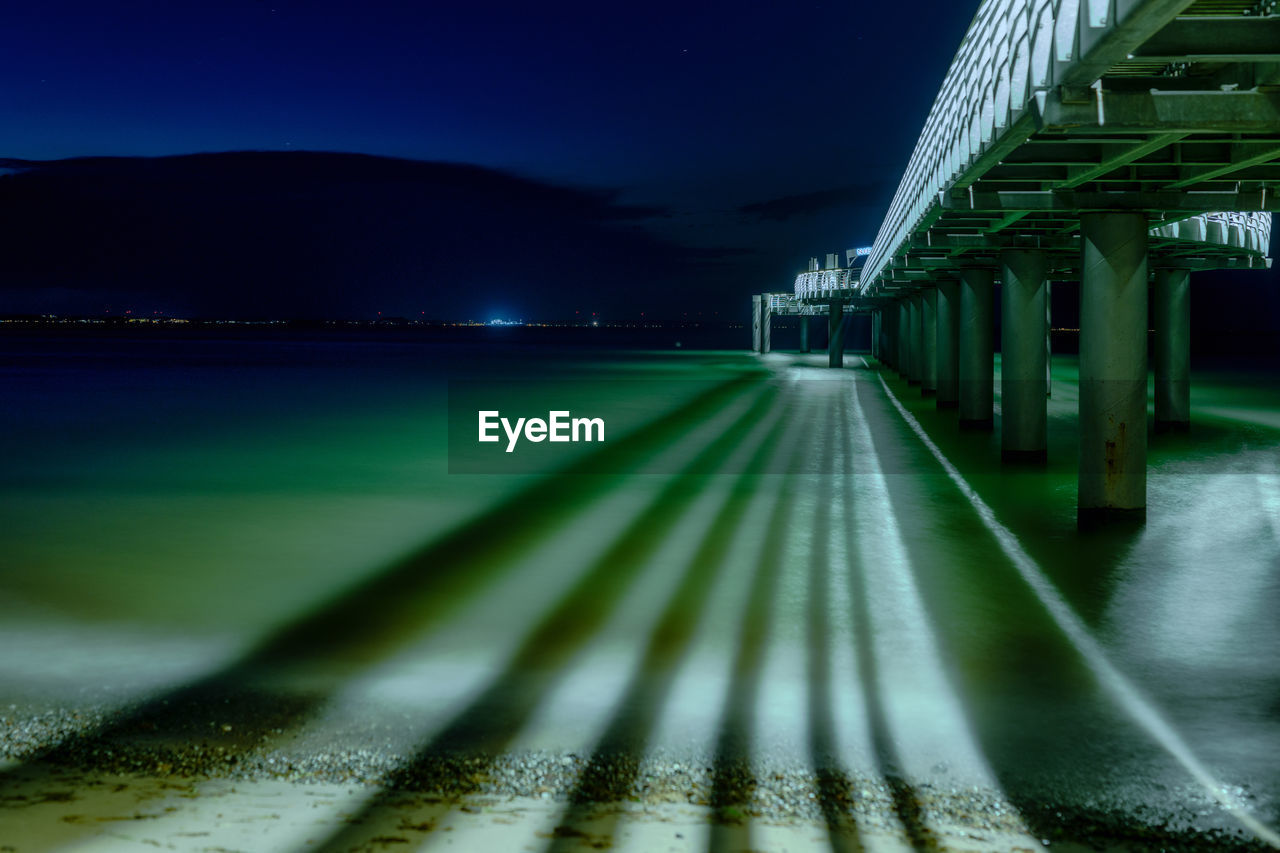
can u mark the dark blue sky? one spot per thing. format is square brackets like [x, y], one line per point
[701, 109]
[639, 93]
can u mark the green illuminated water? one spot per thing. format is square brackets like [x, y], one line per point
[756, 533]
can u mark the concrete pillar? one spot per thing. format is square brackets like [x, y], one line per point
[915, 358]
[891, 334]
[835, 335]
[804, 332]
[929, 342]
[904, 338]
[755, 322]
[766, 322]
[1171, 306]
[1113, 367]
[1048, 339]
[875, 333]
[886, 322]
[895, 344]
[1023, 432]
[977, 358]
[948, 344]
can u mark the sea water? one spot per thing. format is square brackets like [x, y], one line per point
[166, 502]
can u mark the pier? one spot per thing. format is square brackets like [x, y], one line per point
[621, 584]
[1124, 146]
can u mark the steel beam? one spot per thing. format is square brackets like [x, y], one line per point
[1122, 158]
[1243, 156]
[1160, 112]
[1076, 201]
[1225, 39]
[1005, 221]
[1103, 43]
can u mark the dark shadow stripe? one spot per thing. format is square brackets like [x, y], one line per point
[906, 802]
[470, 556]
[835, 790]
[454, 762]
[614, 766]
[369, 621]
[732, 783]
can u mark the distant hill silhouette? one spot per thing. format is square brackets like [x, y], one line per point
[309, 234]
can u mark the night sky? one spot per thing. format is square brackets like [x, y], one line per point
[528, 160]
[654, 156]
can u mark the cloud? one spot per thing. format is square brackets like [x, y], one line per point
[809, 204]
[309, 234]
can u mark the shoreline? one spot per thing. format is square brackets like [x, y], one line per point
[87, 782]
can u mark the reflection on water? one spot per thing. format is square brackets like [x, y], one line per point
[796, 580]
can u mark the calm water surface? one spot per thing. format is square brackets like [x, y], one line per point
[165, 505]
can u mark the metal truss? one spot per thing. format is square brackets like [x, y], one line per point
[1053, 108]
[789, 304]
[826, 284]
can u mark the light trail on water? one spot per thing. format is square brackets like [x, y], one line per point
[1129, 697]
[925, 719]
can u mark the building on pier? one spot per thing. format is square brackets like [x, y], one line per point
[827, 289]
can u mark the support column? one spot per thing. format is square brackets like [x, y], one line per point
[914, 356]
[875, 333]
[1171, 304]
[948, 344]
[755, 322]
[835, 335]
[929, 342]
[766, 322]
[891, 334]
[904, 338]
[1048, 339]
[1113, 367]
[804, 332]
[886, 332]
[895, 347]
[1023, 433]
[977, 359]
